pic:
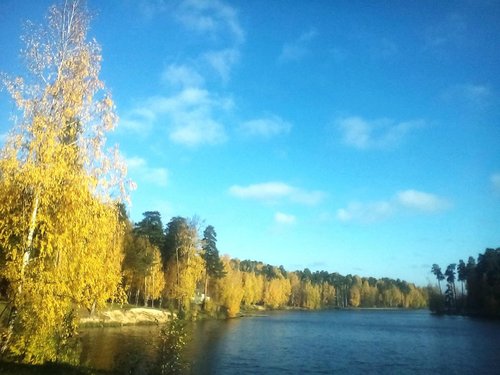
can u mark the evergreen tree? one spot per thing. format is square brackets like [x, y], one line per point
[214, 268]
[151, 227]
[436, 270]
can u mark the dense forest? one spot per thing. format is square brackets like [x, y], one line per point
[479, 289]
[174, 267]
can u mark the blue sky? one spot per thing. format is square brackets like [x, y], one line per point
[345, 136]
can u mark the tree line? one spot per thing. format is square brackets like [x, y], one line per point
[479, 286]
[195, 278]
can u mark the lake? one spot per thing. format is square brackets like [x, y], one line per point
[317, 342]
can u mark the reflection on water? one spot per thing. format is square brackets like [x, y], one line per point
[108, 348]
[315, 342]
[135, 348]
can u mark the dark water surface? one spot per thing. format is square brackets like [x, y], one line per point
[324, 342]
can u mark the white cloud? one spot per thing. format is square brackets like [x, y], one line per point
[403, 201]
[135, 162]
[378, 134]
[139, 120]
[273, 192]
[495, 181]
[264, 191]
[266, 127]
[299, 48]
[282, 218]
[365, 212]
[190, 116]
[421, 201]
[146, 174]
[183, 76]
[222, 61]
[193, 129]
[211, 17]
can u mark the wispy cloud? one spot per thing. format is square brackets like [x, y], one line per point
[183, 76]
[265, 127]
[374, 134]
[213, 17]
[403, 201]
[286, 219]
[495, 182]
[273, 192]
[146, 174]
[139, 121]
[421, 201]
[365, 212]
[190, 116]
[473, 95]
[299, 48]
[222, 61]
[215, 20]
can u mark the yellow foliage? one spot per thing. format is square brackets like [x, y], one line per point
[155, 279]
[142, 268]
[354, 296]
[185, 269]
[230, 288]
[368, 295]
[416, 299]
[277, 292]
[312, 295]
[296, 289]
[327, 294]
[60, 236]
[252, 288]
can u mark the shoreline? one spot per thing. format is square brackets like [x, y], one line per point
[126, 316]
[153, 316]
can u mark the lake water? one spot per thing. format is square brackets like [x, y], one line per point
[323, 342]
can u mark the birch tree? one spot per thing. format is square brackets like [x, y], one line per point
[60, 235]
[230, 287]
[184, 263]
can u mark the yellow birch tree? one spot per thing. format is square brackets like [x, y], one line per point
[277, 292]
[230, 287]
[184, 265]
[155, 280]
[60, 235]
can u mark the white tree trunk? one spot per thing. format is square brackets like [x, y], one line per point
[29, 242]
